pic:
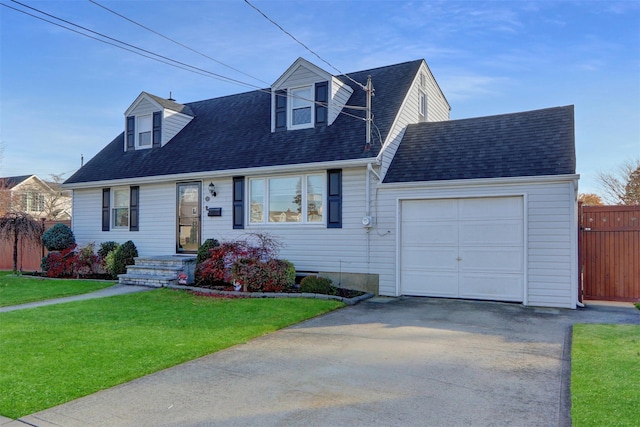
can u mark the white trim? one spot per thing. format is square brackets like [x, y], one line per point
[575, 277]
[134, 105]
[294, 67]
[311, 104]
[479, 182]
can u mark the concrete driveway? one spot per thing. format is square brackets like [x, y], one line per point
[386, 362]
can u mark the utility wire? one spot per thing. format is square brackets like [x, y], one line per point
[175, 41]
[302, 44]
[153, 56]
[182, 64]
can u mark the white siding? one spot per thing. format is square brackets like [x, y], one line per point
[173, 123]
[300, 77]
[157, 220]
[340, 94]
[437, 110]
[143, 107]
[310, 248]
[550, 231]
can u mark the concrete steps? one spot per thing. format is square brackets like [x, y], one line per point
[159, 271]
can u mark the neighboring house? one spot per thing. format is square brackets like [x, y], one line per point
[40, 199]
[481, 208]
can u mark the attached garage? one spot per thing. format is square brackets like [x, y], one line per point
[482, 208]
[463, 248]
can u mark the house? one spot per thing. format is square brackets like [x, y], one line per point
[30, 194]
[481, 208]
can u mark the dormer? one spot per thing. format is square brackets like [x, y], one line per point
[152, 121]
[306, 96]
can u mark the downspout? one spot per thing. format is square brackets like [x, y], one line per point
[370, 171]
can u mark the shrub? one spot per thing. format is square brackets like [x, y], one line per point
[217, 268]
[58, 238]
[106, 248]
[71, 262]
[316, 285]
[203, 250]
[117, 260]
[255, 275]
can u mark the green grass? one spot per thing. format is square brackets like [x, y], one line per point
[16, 290]
[54, 354]
[605, 375]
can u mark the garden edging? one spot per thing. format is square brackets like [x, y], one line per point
[348, 301]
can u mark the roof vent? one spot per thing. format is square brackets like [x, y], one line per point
[170, 97]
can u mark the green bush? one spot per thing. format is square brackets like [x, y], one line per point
[117, 260]
[106, 248]
[58, 238]
[316, 285]
[203, 250]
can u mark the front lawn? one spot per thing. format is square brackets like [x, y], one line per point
[16, 290]
[54, 354]
[605, 373]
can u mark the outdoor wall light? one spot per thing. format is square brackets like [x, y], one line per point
[212, 189]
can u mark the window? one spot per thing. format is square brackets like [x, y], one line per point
[145, 125]
[33, 202]
[300, 111]
[120, 208]
[287, 199]
[423, 106]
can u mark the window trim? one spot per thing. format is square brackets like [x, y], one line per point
[422, 104]
[112, 207]
[139, 131]
[304, 214]
[309, 101]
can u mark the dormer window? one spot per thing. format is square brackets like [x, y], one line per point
[301, 111]
[144, 130]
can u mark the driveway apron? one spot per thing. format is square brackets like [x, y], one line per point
[385, 362]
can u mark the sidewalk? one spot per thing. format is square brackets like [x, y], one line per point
[106, 292]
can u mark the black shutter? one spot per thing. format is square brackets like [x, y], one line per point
[134, 205]
[157, 129]
[238, 202]
[334, 198]
[322, 96]
[131, 133]
[106, 200]
[281, 110]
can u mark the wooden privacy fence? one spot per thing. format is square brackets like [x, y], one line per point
[29, 254]
[609, 252]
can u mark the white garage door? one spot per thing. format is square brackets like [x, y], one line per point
[463, 248]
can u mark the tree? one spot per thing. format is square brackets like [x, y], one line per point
[622, 187]
[590, 199]
[16, 225]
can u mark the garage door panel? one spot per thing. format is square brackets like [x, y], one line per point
[430, 258]
[433, 284]
[500, 287]
[493, 208]
[498, 260]
[438, 209]
[507, 232]
[433, 232]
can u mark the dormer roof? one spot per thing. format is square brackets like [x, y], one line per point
[160, 103]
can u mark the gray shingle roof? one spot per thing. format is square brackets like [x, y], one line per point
[234, 132]
[12, 181]
[532, 143]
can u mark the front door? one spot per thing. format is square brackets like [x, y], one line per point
[188, 221]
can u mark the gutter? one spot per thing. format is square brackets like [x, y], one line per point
[221, 173]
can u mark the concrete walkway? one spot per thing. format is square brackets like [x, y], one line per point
[106, 292]
[386, 361]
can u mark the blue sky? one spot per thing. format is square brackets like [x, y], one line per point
[63, 95]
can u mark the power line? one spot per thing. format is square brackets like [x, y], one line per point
[155, 57]
[175, 41]
[181, 64]
[302, 44]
